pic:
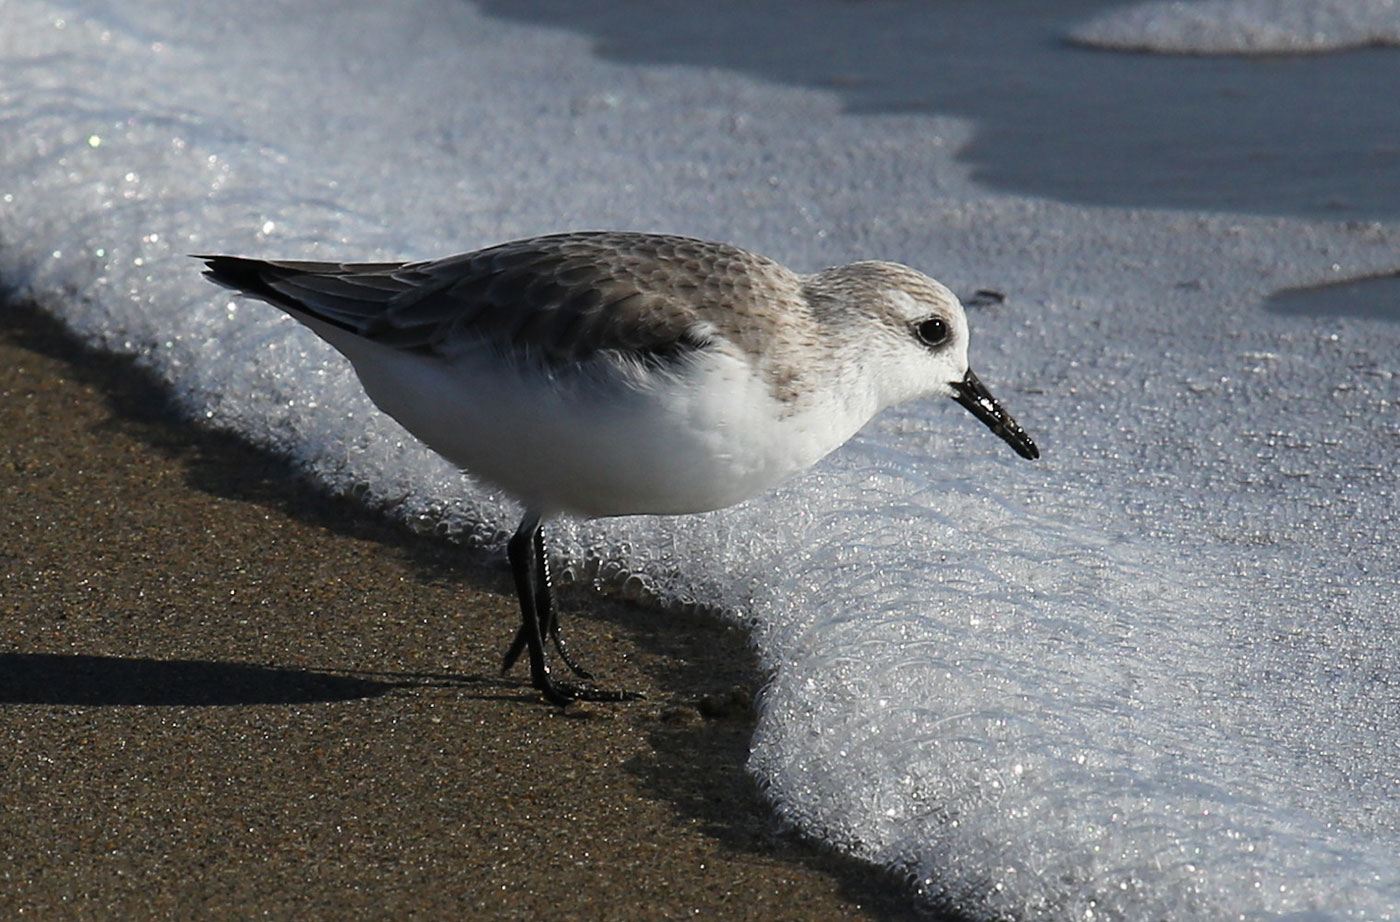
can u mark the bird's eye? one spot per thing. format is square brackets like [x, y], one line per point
[933, 331]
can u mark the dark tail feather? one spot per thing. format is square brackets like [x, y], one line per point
[240, 274]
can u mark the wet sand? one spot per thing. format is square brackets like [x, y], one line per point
[226, 695]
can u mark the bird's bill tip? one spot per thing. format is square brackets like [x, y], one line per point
[973, 396]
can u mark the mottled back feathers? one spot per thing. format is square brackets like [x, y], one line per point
[559, 298]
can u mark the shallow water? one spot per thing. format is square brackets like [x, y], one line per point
[1375, 298]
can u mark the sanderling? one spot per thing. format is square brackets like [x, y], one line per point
[610, 373]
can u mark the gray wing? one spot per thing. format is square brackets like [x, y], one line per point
[562, 297]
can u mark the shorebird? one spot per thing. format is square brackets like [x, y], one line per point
[613, 373]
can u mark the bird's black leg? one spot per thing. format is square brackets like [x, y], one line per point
[524, 566]
[538, 620]
[544, 602]
[545, 616]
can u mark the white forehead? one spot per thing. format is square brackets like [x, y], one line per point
[930, 298]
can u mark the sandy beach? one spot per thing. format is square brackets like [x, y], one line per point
[224, 695]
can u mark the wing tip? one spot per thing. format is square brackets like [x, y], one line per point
[253, 278]
[233, 272]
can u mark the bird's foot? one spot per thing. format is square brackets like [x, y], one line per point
[565, 693]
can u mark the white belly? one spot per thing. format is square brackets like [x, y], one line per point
[599, 443]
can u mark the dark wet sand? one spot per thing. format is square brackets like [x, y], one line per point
[224, 695]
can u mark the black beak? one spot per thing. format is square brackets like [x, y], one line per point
[973, 394]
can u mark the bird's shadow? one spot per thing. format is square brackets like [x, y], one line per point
[96, 681]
